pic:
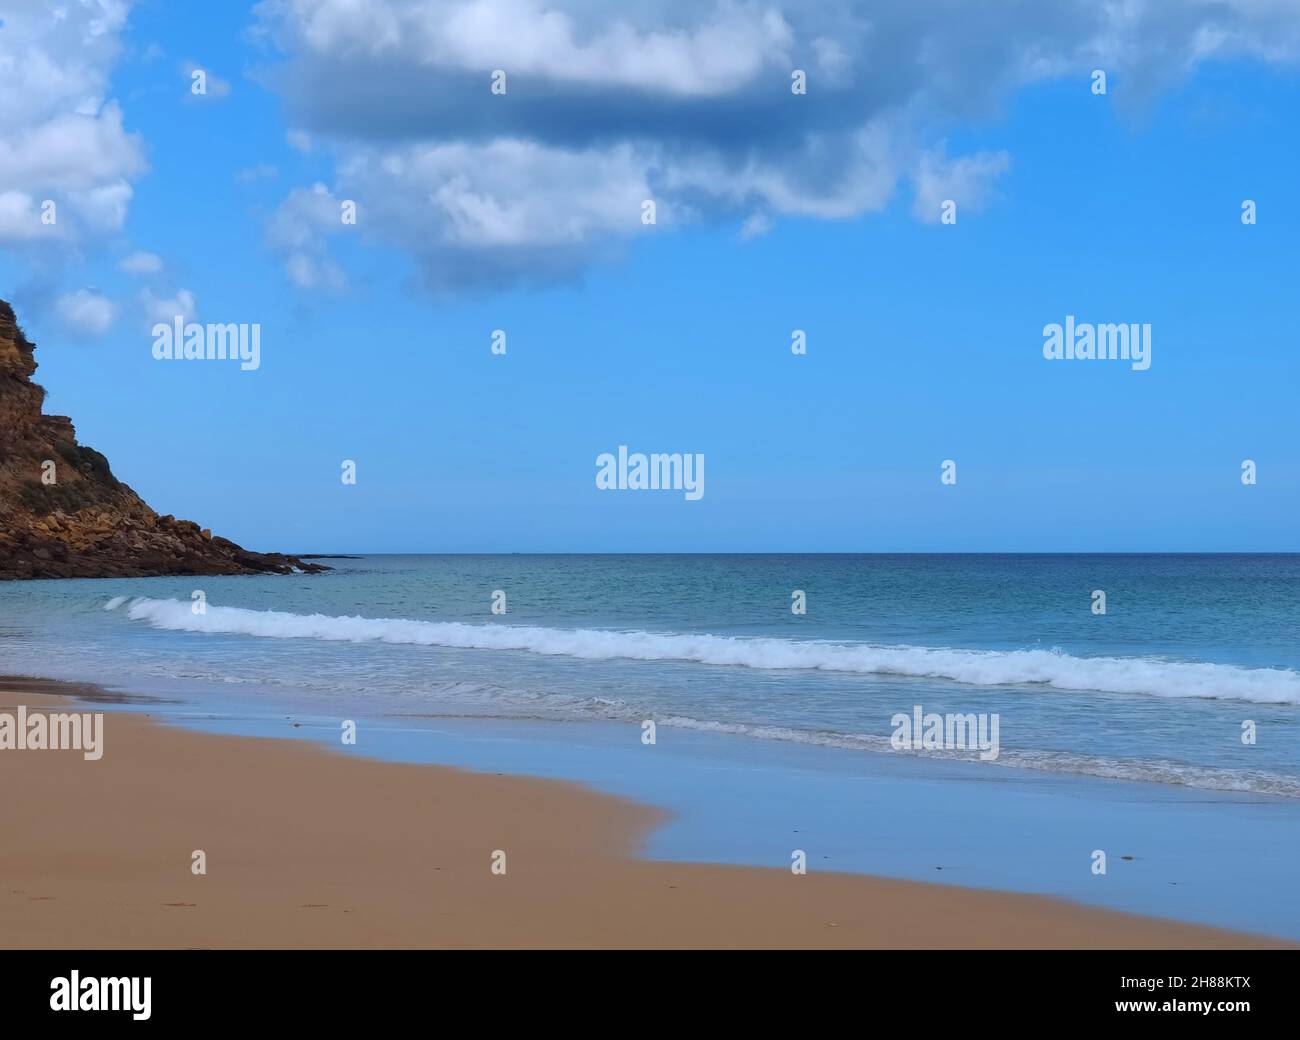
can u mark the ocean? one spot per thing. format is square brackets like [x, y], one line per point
[1190, 649]
[1164, 732]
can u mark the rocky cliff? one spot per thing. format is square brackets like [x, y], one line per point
[63, 514]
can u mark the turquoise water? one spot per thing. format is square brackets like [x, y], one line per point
[1155, 690]
[1118, 732]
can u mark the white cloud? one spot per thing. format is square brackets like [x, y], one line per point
[167, 309]
[102, 209]
[86, 312]
[61, 137]
[756, 225]
[686, 102]
[19, 217]
[508, 193]
[298, 231]
[198, 78]
[828, 176]
[540, 41]
[967, 181]
[462, 206]
[141, 263]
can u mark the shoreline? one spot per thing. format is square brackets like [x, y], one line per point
[310, 848]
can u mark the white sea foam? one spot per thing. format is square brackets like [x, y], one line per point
[115, 602]
[1143, 771]
[1052, 668]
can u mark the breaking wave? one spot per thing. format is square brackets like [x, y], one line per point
[1052, 668]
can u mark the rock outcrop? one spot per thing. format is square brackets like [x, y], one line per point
[64, 515]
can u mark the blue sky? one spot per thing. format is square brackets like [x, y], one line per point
[924, 339]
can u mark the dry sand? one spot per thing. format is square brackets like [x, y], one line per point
[311, 848]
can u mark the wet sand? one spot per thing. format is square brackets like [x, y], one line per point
[307, 848]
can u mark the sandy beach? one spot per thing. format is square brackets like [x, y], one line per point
[306, 849]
